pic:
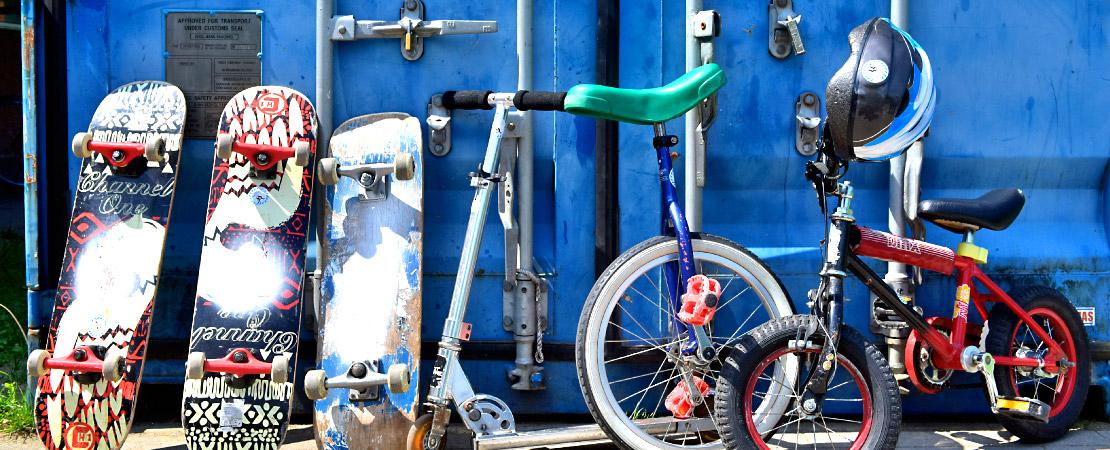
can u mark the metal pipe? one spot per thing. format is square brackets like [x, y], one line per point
[524, 329]
[325, 9]
[693, 60]
[30, 164]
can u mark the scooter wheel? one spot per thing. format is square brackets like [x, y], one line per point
[418, 435]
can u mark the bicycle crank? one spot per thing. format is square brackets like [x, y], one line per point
[974, 360]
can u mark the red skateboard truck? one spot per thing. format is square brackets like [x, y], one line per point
[82, 359]
[361, 379]
[263, 157]
[238, 362]
[118, 154]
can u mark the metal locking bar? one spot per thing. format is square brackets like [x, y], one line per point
[411, 28]
[783, 32]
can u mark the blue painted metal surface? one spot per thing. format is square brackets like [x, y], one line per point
[1022, 86]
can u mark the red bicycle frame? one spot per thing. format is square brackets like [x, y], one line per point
[946, 351]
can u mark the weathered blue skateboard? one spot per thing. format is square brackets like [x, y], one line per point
[369, 311]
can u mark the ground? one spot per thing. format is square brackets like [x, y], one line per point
[915, 435]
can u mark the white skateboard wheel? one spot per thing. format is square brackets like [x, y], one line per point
[153, 149]
[329, 172]
[279, 369]
[194, 366]
[404, 167]
[301, 152]
[113, 366]
[315, 386]
[224, 142]
[81, 144]
[398, 378]
[36, 363]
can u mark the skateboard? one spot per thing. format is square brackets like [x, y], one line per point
[369, 332]
[88, 375]
[247, 318]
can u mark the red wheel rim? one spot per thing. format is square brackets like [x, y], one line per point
[842, 363]
[1065, 382]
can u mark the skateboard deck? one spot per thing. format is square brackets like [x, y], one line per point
[247, 317]
[113, 255]
[370, 291]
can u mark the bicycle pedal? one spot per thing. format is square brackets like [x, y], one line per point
[699, 303]
[1023, 408]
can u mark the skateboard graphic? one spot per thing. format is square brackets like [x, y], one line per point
[369, 326]
[243, 342]
[88, 375]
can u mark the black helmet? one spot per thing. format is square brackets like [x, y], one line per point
[881, 100]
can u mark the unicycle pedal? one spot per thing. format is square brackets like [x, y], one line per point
[1023, 408]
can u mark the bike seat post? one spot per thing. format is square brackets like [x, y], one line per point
[968, 248]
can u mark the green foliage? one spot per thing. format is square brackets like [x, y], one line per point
[16, 416]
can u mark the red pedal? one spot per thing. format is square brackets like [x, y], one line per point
[678, 401]
[699, 303]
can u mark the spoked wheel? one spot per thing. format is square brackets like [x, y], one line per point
[1064, 392]
[861, 409]
[628, 351]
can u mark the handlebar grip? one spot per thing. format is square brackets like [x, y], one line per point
[539, 100]
[467, 100]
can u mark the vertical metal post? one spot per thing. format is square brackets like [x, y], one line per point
[606, 161]
[30, 163]
[524, 325]
[693, 60]
[897, 275]
[325, 9]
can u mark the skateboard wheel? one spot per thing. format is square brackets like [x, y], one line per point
[194, 366]
[153, 149]
[329, 172]
[301, 152]
[81, 144]
[279, 369]
[404, 167]
[224, 142]
[113, 366]
[315, 384]
[398, 378]
[36, 363]
[418, 433]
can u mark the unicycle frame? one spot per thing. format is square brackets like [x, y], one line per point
[449, 383]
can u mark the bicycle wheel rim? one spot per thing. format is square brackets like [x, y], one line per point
[1056, 327]
[842, 363]
[629, 429]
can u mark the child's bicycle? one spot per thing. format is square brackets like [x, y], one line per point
[652, 329]
[1031, 347]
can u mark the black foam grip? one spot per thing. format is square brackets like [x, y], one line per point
[539, 100]
[467, 100]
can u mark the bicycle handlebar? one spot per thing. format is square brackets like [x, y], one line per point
[522, 100]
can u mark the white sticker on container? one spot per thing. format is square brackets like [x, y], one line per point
[1087, 313]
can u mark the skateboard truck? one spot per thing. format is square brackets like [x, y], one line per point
[372, 179]
[362, 380]
[82, 360]
[239, 363]
[118, 154]
[262, 157]
[974, 360]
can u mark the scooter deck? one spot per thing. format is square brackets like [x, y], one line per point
[110, 269]
[370, 303]
[251, 274]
